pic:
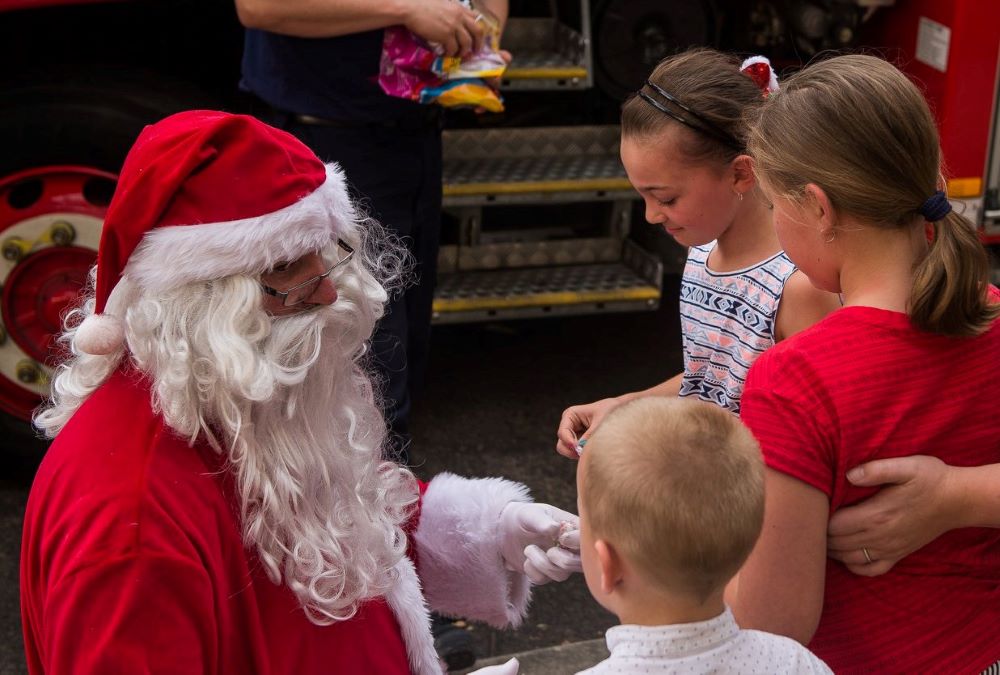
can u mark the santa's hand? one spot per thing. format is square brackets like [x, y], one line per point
[509, 668]
[523, 524]
[555, 564]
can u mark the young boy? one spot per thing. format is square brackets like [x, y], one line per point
[671, 500]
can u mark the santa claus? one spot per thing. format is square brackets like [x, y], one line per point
[214, 500]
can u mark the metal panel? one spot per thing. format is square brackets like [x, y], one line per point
[548, 54]
[630, 285]
[489, 166]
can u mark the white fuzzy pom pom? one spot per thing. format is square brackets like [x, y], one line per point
[99, 334]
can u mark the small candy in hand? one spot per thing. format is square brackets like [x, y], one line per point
[569, 535]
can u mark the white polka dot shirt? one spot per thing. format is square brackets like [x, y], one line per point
[716, 646]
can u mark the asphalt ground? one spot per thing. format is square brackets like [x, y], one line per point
[490, 407]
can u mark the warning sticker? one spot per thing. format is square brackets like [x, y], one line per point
[933, 40]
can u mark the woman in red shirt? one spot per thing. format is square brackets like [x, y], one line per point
[848, 153]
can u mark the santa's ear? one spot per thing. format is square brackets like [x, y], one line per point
[612, 569]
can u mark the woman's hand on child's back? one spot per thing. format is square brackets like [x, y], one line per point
[911, 510]
[579, 421]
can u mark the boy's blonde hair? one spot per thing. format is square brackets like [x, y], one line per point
[708, 82]
[677, 487]
[859, 129]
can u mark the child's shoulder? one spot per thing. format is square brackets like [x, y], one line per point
[801, 358]
[781, 653]
[802, 305]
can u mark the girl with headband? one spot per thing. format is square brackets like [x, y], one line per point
[848, 155]
[683, 147]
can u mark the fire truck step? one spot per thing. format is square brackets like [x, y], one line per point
[487, 166]
[548, 55]
[532, 292]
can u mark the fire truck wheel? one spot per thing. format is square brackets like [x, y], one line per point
[632, 36]
[63, 142]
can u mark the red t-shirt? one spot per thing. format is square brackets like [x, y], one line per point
[865, 384]
[132, 562]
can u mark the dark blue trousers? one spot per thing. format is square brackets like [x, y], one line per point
[395, 173]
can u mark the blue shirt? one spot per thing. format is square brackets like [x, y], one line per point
[331, 78]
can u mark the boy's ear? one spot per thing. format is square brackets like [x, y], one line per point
[612, 569]
[744, 178]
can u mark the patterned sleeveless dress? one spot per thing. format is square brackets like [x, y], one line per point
[727, 321]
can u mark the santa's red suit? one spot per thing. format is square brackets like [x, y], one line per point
[137, 563]
[139, 553]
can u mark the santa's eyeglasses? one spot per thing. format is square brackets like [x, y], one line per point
[299, 293]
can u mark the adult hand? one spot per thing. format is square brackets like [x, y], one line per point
[579, 421]
[524, 525]
[509, 668]
[911, 510]
[446, 23]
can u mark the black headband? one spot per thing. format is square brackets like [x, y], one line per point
[705, 125]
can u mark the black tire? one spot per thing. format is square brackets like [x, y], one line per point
[77, 117]
[632, 36]
[69, 116]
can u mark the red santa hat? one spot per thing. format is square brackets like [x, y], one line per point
[203, 195]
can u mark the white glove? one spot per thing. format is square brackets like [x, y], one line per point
[555, 564]
[524, 525]
[509, 668]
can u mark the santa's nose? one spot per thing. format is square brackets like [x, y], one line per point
[325, 293]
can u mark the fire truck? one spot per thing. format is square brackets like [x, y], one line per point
[539, 217]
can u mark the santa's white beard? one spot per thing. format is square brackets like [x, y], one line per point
[318, 504]
[290, 406]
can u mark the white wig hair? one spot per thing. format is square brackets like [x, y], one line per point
[289, 403]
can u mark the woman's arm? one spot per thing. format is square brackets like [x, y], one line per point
[444, 22]
[921, 499]
[780, 587]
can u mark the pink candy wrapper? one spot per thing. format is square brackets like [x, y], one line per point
[410, 68]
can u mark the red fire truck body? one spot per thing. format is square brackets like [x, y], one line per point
[951, 49]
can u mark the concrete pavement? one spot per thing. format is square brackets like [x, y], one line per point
[558, 660]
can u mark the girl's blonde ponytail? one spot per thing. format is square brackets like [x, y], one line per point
[950, 284]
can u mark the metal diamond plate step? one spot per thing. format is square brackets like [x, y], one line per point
[548, 55]
[488, 166]
[630, 285]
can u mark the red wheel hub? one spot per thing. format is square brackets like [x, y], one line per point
[37, 293]
[50, 220]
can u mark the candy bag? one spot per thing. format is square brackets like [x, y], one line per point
[411, 68]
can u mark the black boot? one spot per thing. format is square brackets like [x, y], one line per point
[452, 642]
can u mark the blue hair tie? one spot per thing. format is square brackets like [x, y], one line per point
[936, 207]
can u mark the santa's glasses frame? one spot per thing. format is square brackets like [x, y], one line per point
[299, 293]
